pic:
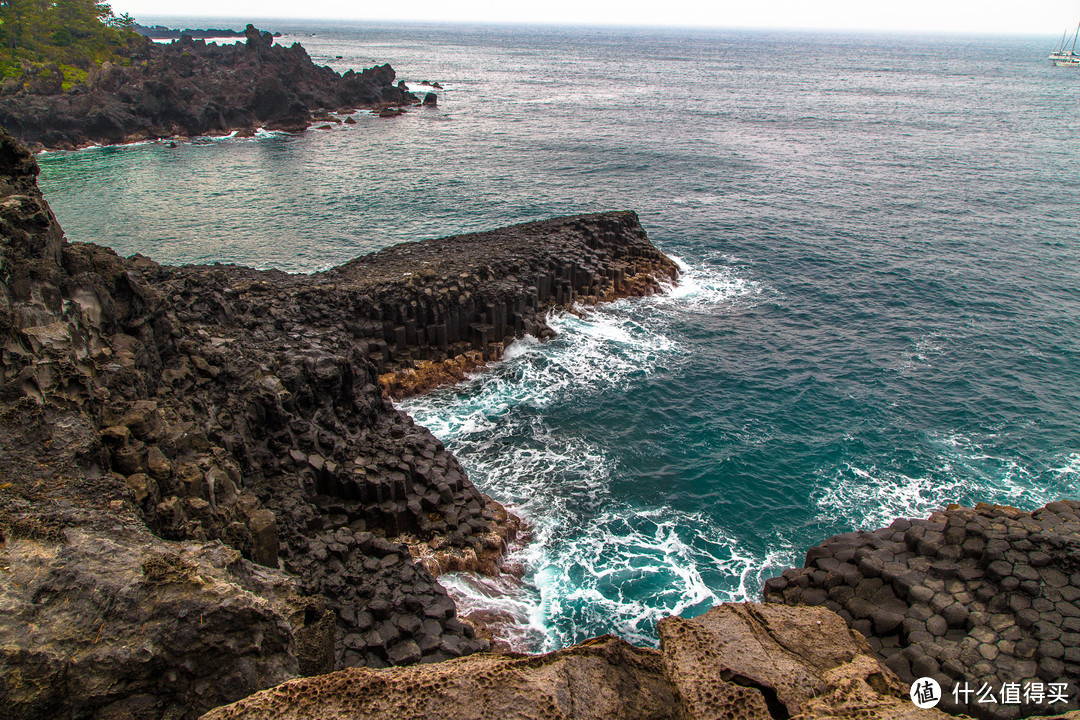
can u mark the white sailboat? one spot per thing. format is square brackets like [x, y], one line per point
[1060, 57]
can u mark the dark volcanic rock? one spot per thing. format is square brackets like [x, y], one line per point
[188, 88]
[986, 595]
[160, 32]
[432, 310]
[222, 434]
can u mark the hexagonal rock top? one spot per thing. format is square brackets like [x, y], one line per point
[987, 595]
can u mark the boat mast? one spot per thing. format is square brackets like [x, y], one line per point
[1062, 45]
[1074, 38]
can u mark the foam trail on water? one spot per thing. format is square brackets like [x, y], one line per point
[701, 288]
[508, 605]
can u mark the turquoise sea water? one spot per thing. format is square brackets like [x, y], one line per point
[878, 316]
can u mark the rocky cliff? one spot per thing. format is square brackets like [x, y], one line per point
[204, 490]
[189, 88]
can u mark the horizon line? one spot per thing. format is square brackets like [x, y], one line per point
[595, 25]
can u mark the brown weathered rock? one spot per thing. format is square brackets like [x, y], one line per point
[761, 661]
[607, 679]
[109, 621]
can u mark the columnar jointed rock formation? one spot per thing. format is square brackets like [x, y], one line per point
[434, 309]
[196, 424]
[987, 596]
[191, 88]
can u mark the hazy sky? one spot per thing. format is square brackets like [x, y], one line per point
[1029, 17]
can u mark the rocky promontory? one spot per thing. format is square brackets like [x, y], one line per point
[188, 88]
[204, 488]
[161, 32]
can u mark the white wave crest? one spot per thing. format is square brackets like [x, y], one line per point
[965, 471]
[702, 287]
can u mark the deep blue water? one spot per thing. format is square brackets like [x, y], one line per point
[879, 313]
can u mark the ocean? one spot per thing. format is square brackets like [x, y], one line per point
[878, 315]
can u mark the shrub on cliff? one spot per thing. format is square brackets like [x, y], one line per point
[57, 42]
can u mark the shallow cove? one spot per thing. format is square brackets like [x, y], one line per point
[879, 310]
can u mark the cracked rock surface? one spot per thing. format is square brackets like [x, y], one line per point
[986, 595]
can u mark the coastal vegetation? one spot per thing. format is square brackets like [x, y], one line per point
[54, 43]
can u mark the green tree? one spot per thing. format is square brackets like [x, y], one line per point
[74, 34]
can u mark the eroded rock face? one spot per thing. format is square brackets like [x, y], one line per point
[190, 88]
[109, 621]
[605, 680]
[769, 661]
[737, 661]
[227, 405]
[987, 595]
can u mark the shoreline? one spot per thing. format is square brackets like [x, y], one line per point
[189, 88]
[214, 440]
[799, 653]
[231, 424]
[787, 657]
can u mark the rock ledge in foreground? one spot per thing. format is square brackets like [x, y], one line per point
[736, 661]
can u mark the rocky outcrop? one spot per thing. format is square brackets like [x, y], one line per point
[434, 310]
[102, 618]
[189, 88]
[987, 595]
[161, 32]
[769, 661]
[738, 661]
[222, 434]
[607, 679]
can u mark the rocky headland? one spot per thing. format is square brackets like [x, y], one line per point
[161, 32]
[204, 490]
[188, 88]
